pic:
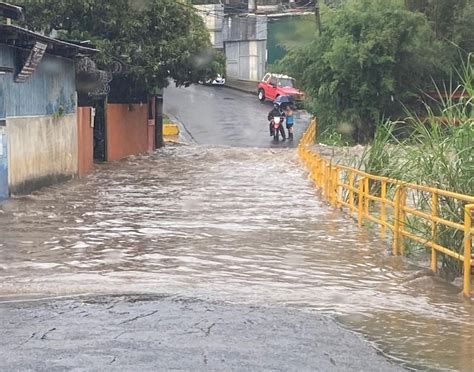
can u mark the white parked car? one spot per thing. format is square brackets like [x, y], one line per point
[219, 80]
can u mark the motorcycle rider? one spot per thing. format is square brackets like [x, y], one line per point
[276, 111]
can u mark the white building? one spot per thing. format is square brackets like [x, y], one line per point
[243, 39]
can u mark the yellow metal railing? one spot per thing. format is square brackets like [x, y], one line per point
[396, 206]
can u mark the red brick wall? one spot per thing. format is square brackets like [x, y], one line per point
[85, 139]
[127, 130]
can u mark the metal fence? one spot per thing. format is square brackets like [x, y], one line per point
[406, 213]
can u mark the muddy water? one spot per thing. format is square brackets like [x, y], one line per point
[242, 225]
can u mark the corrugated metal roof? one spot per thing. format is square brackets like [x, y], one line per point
[11, 11]
[23, 38]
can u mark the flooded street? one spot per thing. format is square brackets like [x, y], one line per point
[221, 116]
[242, 225]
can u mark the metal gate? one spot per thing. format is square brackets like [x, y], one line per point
[246, 59]
[100, 130]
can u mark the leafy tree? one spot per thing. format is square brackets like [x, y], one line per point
[372, 56]
[452, 22]
[152, 40]
[442, 14]
[463, 29]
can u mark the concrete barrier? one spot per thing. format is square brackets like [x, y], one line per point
[170, 130]
[41, 151]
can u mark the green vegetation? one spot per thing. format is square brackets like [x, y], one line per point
[287, 33]
[436, 148]
[374, 58]
[152, 40]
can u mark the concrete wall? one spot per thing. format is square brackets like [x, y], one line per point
[42, 150]
[127, 130]
[85, 140]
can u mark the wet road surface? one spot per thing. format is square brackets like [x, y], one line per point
[228, 225]
[217, 224]
[222, 116]
[137, 333]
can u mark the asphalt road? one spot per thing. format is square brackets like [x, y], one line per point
[163, 333]
[143, 333]
[223, 116]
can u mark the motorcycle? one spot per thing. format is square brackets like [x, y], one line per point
[277, 125]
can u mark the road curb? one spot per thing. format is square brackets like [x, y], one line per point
[184, 137]
[243, 90]
[170, 129]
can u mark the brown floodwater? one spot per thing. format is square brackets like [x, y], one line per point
[239, 225]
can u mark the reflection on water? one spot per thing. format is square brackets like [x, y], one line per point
[233, 224]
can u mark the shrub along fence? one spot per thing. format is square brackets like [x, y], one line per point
[395, 206]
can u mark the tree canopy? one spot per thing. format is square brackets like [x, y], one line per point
[373, 59]
[151, 40]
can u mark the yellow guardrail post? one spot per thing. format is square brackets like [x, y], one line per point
[327, 177]
[434, 231]
[338, 195]
[366, 193]
[351, 191]
[321, 172]
[333, 185]
[467, 248]
[361, 201]
[383, 212]
[396, 221]
[329, 183]
[403, 202]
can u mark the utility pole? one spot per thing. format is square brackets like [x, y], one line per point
[317, 13]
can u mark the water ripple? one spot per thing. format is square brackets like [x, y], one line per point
[233, 224]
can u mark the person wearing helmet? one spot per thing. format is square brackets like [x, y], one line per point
[276, 111]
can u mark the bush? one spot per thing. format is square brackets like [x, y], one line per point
[372, 58]
[438, 152]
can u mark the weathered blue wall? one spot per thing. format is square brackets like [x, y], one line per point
[50, 90]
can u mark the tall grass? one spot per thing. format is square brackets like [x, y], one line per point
[436, 149]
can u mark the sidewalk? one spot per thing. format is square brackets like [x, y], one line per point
[242, 85]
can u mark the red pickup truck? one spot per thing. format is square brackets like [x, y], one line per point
[275, 85]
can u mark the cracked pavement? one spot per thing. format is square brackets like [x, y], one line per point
[175, 333]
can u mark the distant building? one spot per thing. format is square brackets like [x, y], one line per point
[213, 16]
[264, 6]
[245, 42]
[243, 38]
